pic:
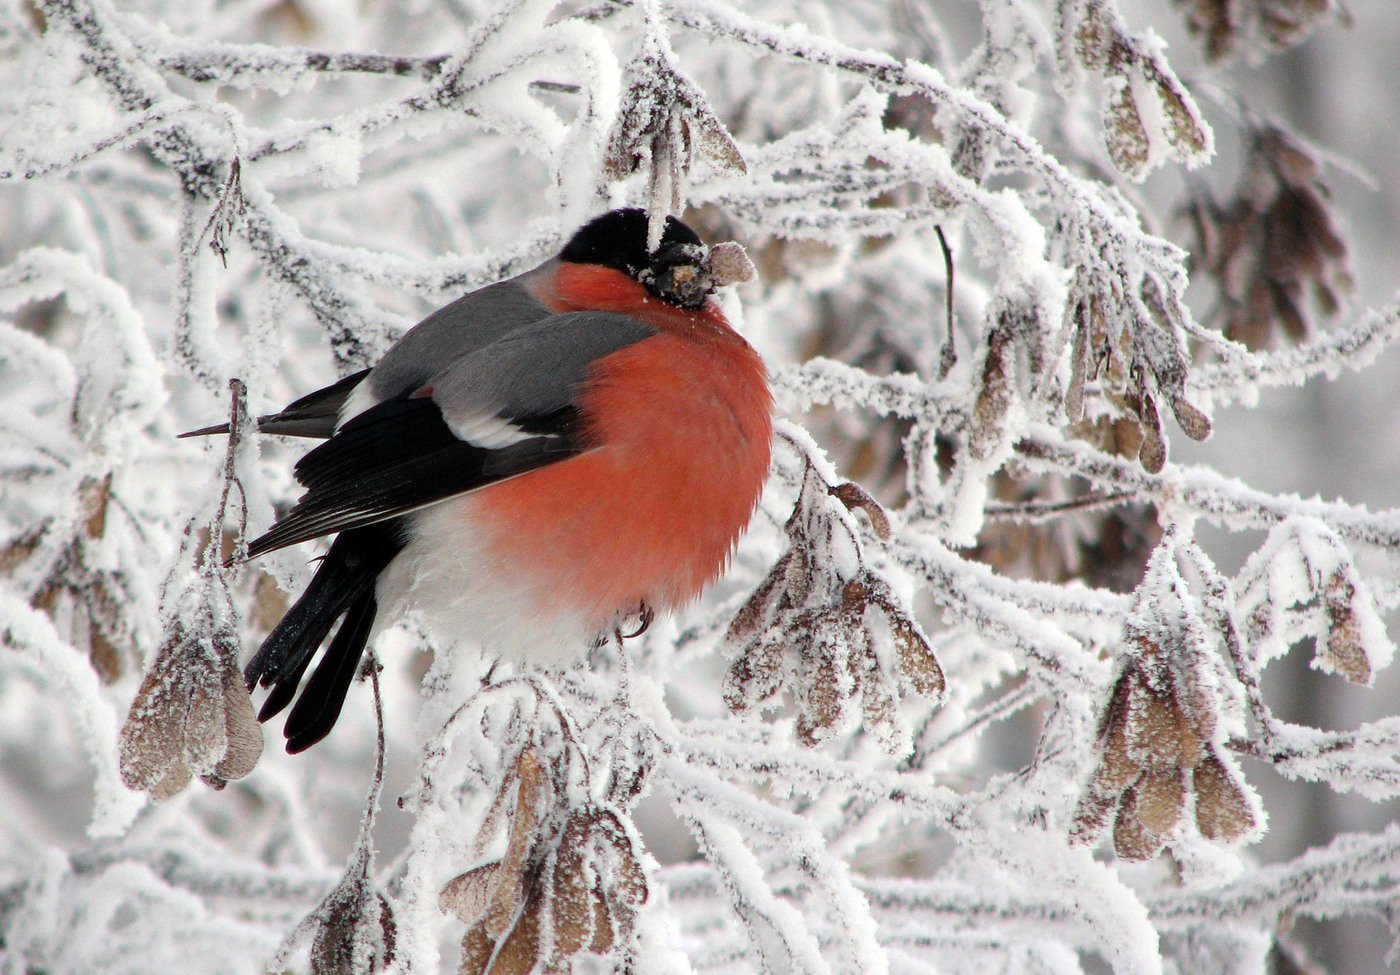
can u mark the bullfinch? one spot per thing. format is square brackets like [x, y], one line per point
[527, 468]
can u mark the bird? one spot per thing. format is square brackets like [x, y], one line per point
[528, 468]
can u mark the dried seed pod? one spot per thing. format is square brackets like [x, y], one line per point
[990, 413]
[519, 952]
[477, 947]
[917, 661]
[353, 918]
[1132, 840]
[1342, 650]
[510, 893]
[191, 715]
[1158, 735]
[1192, 421]
[573, 897]
[1079, 362]
[1161, 800]
[1153, 453]
[1117, 769]
[821, 673]
[1126, 135]
[758, 611]
[879, 703]
[729, 264]
[759, 673]
[242, 733]
[1223, 810]
[468, 895]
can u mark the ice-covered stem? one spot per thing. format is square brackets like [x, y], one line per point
[1214, 496]
[1070, 193]
[229, 63]
[1353, 348]
[1354, 874]
[353, 930]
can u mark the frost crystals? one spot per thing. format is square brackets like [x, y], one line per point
[570, 880]
[192, 714]
[827, 623]
[1160, 739]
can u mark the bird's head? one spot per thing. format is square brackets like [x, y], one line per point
[681, 271]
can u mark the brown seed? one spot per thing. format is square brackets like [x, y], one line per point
[1161, 800]
[1150, 727]
[1132, 840]
[468, 895]
[917, 661]
[1343, 650]
[757, 611]
[519, 952]
[572, 891]
[476, 951]
[1223, 810]
[242, 731]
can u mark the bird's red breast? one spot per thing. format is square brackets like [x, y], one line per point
[681, 425]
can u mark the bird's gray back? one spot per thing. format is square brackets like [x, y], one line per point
[460, 328]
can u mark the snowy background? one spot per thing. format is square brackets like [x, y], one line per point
[1056, 688]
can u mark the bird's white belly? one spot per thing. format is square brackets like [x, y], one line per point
[446, 576]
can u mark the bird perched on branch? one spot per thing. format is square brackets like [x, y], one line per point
[528, 467]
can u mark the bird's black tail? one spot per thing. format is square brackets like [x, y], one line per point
[341, 589]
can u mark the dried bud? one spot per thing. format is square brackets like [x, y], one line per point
[854, 497]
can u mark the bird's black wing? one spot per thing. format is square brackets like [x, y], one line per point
[502, 410]
[395, 458]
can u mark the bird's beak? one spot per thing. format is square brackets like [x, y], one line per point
[681, 274]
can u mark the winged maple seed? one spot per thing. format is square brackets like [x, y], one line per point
[191, 716]
[1142, 90]
[1227, 25]
[72, 587]
[570, 881]
[1158, 740]
[826, 635]
[1138, 355]
[1273, 244]
[355, 931]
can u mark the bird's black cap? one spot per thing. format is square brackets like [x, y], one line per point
[618, 239]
